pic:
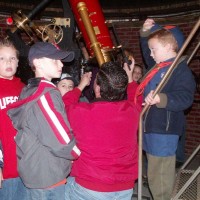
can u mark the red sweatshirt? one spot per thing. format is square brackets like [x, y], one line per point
[106, 133]
[9, 93]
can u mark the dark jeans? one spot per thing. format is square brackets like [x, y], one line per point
[180, 152]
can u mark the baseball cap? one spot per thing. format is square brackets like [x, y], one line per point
[175, 30]
[48, 50]
[67, 77]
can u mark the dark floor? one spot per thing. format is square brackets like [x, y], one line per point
[145, 193]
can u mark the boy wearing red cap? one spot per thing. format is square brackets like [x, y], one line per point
[164, 121]
[45, 143]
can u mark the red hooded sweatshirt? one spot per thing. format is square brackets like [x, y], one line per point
[9, 93]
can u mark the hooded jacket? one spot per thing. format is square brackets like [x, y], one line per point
[9, 93]
[177, 95]
[45, 143]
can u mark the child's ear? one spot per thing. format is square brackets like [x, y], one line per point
[36, 62]
[97, 91]
[170, 47]
[98, 88]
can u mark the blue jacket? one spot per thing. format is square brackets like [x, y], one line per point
[177, 95]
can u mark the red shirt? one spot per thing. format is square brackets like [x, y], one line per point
[9, 93]
[106, 134]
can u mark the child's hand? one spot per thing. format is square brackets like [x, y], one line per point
[150, 100]
[148, 24]
[129, 70]
[85, 80]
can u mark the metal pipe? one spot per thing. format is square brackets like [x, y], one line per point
[190, 158]
[37, 9]
[158, 89]
[95, 45]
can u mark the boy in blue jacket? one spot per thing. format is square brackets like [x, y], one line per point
[164, 121]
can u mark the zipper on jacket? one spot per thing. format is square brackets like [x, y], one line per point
[168, 119]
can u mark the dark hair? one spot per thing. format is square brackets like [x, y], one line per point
[113, 81]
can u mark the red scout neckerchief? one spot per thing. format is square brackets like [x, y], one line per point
[140, 88]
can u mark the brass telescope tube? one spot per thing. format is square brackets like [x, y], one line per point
[95, 45]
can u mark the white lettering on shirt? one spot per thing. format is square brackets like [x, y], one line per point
[7, 100]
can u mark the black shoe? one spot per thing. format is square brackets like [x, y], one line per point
[145, 181]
